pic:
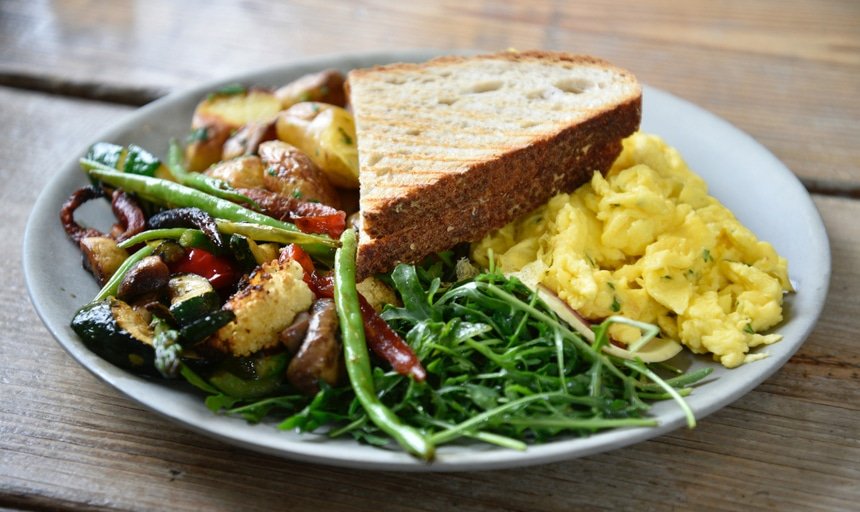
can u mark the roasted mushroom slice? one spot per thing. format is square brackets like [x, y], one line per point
[148, 275]
[320, 356]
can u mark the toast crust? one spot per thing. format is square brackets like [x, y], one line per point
[464, 206]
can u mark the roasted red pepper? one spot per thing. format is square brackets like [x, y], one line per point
[221, 272]
[381, 338]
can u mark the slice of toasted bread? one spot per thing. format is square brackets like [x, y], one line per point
[458, 146]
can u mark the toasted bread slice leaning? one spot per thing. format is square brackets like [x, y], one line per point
[455, 147]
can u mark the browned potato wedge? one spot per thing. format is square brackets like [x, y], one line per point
[325, 86]
[221, 114]
[290, 172]
[102, 256]
[204, 146]
[242, 172]
[327, 135]
[248, 139]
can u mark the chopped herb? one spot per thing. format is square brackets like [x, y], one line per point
[667, 277]
[228, 90]
[297, 193]
[197, 135]
[611, 285]
[706, 255]
[305, 96]
[272, 170]
[616, 306]
[749, 329]
[345, 136]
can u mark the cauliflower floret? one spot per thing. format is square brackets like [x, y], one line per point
[274, 296]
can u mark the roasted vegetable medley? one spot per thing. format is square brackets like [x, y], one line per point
[231, 265]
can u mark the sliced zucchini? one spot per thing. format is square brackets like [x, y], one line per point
[251, 377]
[202, 328]
[191, 297]
[240, 246]
[196, 239]
[118, 333]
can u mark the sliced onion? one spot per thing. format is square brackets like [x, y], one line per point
[655, 351]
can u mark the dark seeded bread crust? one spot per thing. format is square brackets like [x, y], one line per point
[501, 190]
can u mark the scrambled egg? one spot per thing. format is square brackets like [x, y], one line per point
[646, 241]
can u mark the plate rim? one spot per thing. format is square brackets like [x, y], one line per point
[472, 458]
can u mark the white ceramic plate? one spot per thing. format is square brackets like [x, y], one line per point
[765, 195]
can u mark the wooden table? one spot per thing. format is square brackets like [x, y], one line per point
[787, 72]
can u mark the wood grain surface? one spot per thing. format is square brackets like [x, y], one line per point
[786, 72]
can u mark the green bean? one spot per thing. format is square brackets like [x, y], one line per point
[152, 234]
[358, 359]
[261, 233]
[168, 193]
[208, 184]
[110, 288]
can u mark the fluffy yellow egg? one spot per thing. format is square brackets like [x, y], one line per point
[648, 242]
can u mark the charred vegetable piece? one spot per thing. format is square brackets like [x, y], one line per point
[110, 287]
[191, 297]
[196, 239]
[170, 252]
[251, 377]
[293, 336]
[202, 328]
[240, 247]
[67, 213]
[102, 257]
[128, 213]
[188, 217]
[320, 357]
[148, 275]
[118, 333]
[274, 295]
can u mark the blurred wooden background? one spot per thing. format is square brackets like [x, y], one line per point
[787, 72]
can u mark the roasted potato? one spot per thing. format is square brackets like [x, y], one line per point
[377, 293]
[102, 256]
[327, 135]
[248, 139]
[325, 86]
[242, 172]
[204, 146]
[221, 114]
[290, 172]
